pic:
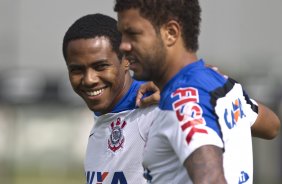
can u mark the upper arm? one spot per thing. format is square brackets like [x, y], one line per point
[267, 124]
[205, 165]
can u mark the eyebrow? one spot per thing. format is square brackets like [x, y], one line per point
[125, 28]
[99, 61]
[130, 29]
[103, 60]
[73, 65]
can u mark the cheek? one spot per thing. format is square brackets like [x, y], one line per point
[117, 79]
[74, 80]
[109, 77]
[114, 74]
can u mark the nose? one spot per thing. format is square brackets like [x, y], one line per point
[125, 45]
[90, 78]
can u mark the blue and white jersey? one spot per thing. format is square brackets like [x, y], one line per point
[200, 107]
[116, 143]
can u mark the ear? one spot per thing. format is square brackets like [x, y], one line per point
[125, 63]
[170, 32]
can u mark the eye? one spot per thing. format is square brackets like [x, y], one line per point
[75, 70]
[132, 33]
[101, 66]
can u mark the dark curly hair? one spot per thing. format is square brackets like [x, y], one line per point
[93, 25]
[158, 12]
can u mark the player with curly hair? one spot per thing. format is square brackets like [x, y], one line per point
[203, 133]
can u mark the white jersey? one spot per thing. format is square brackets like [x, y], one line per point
[115, 147]
[200, 107]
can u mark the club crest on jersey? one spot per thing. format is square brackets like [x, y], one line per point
[116, 140]
[236, 113]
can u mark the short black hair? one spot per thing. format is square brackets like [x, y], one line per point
[91, 26]
[158, 12]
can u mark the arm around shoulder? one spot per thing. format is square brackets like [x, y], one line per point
[267, 125]
[152, 99]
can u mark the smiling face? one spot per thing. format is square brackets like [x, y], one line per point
[96, 73]
[142, 45]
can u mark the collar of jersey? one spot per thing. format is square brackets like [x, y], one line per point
[128, 100]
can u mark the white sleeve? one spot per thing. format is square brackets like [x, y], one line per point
[185, 140]
[255, 103]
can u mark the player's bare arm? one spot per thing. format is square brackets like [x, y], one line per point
[205, 165]
[267, 125]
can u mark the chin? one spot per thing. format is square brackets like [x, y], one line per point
[138, 77]
[97, 108]
[141, 78]
[94, 108]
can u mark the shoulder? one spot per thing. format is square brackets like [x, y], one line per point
[147, 113]
[190, 88]
[144, 118]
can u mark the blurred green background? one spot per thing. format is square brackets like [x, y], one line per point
[44, 126]
[43, 143]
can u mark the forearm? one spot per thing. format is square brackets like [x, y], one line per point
[267, 125]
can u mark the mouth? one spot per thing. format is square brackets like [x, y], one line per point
[131, 59]
[96, 92]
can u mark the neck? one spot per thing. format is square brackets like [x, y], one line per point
[127, 83]
[126, 86]
[173, 65]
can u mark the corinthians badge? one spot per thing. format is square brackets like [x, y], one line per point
[116, 140]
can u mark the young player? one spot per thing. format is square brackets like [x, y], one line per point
[100, 75]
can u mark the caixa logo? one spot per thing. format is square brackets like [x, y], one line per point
[244, 177]
[235, 114]
[93, 177]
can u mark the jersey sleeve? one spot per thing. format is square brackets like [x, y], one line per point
[254, 106]
[194, 123]
[235, 107]
[185, 139]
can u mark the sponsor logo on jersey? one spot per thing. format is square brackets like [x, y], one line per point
[147, 175]
[244, 177]
[93, 177]
[235, 113]
[116, 140]
[188, 111]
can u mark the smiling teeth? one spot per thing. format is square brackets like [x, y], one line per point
[95, 93]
